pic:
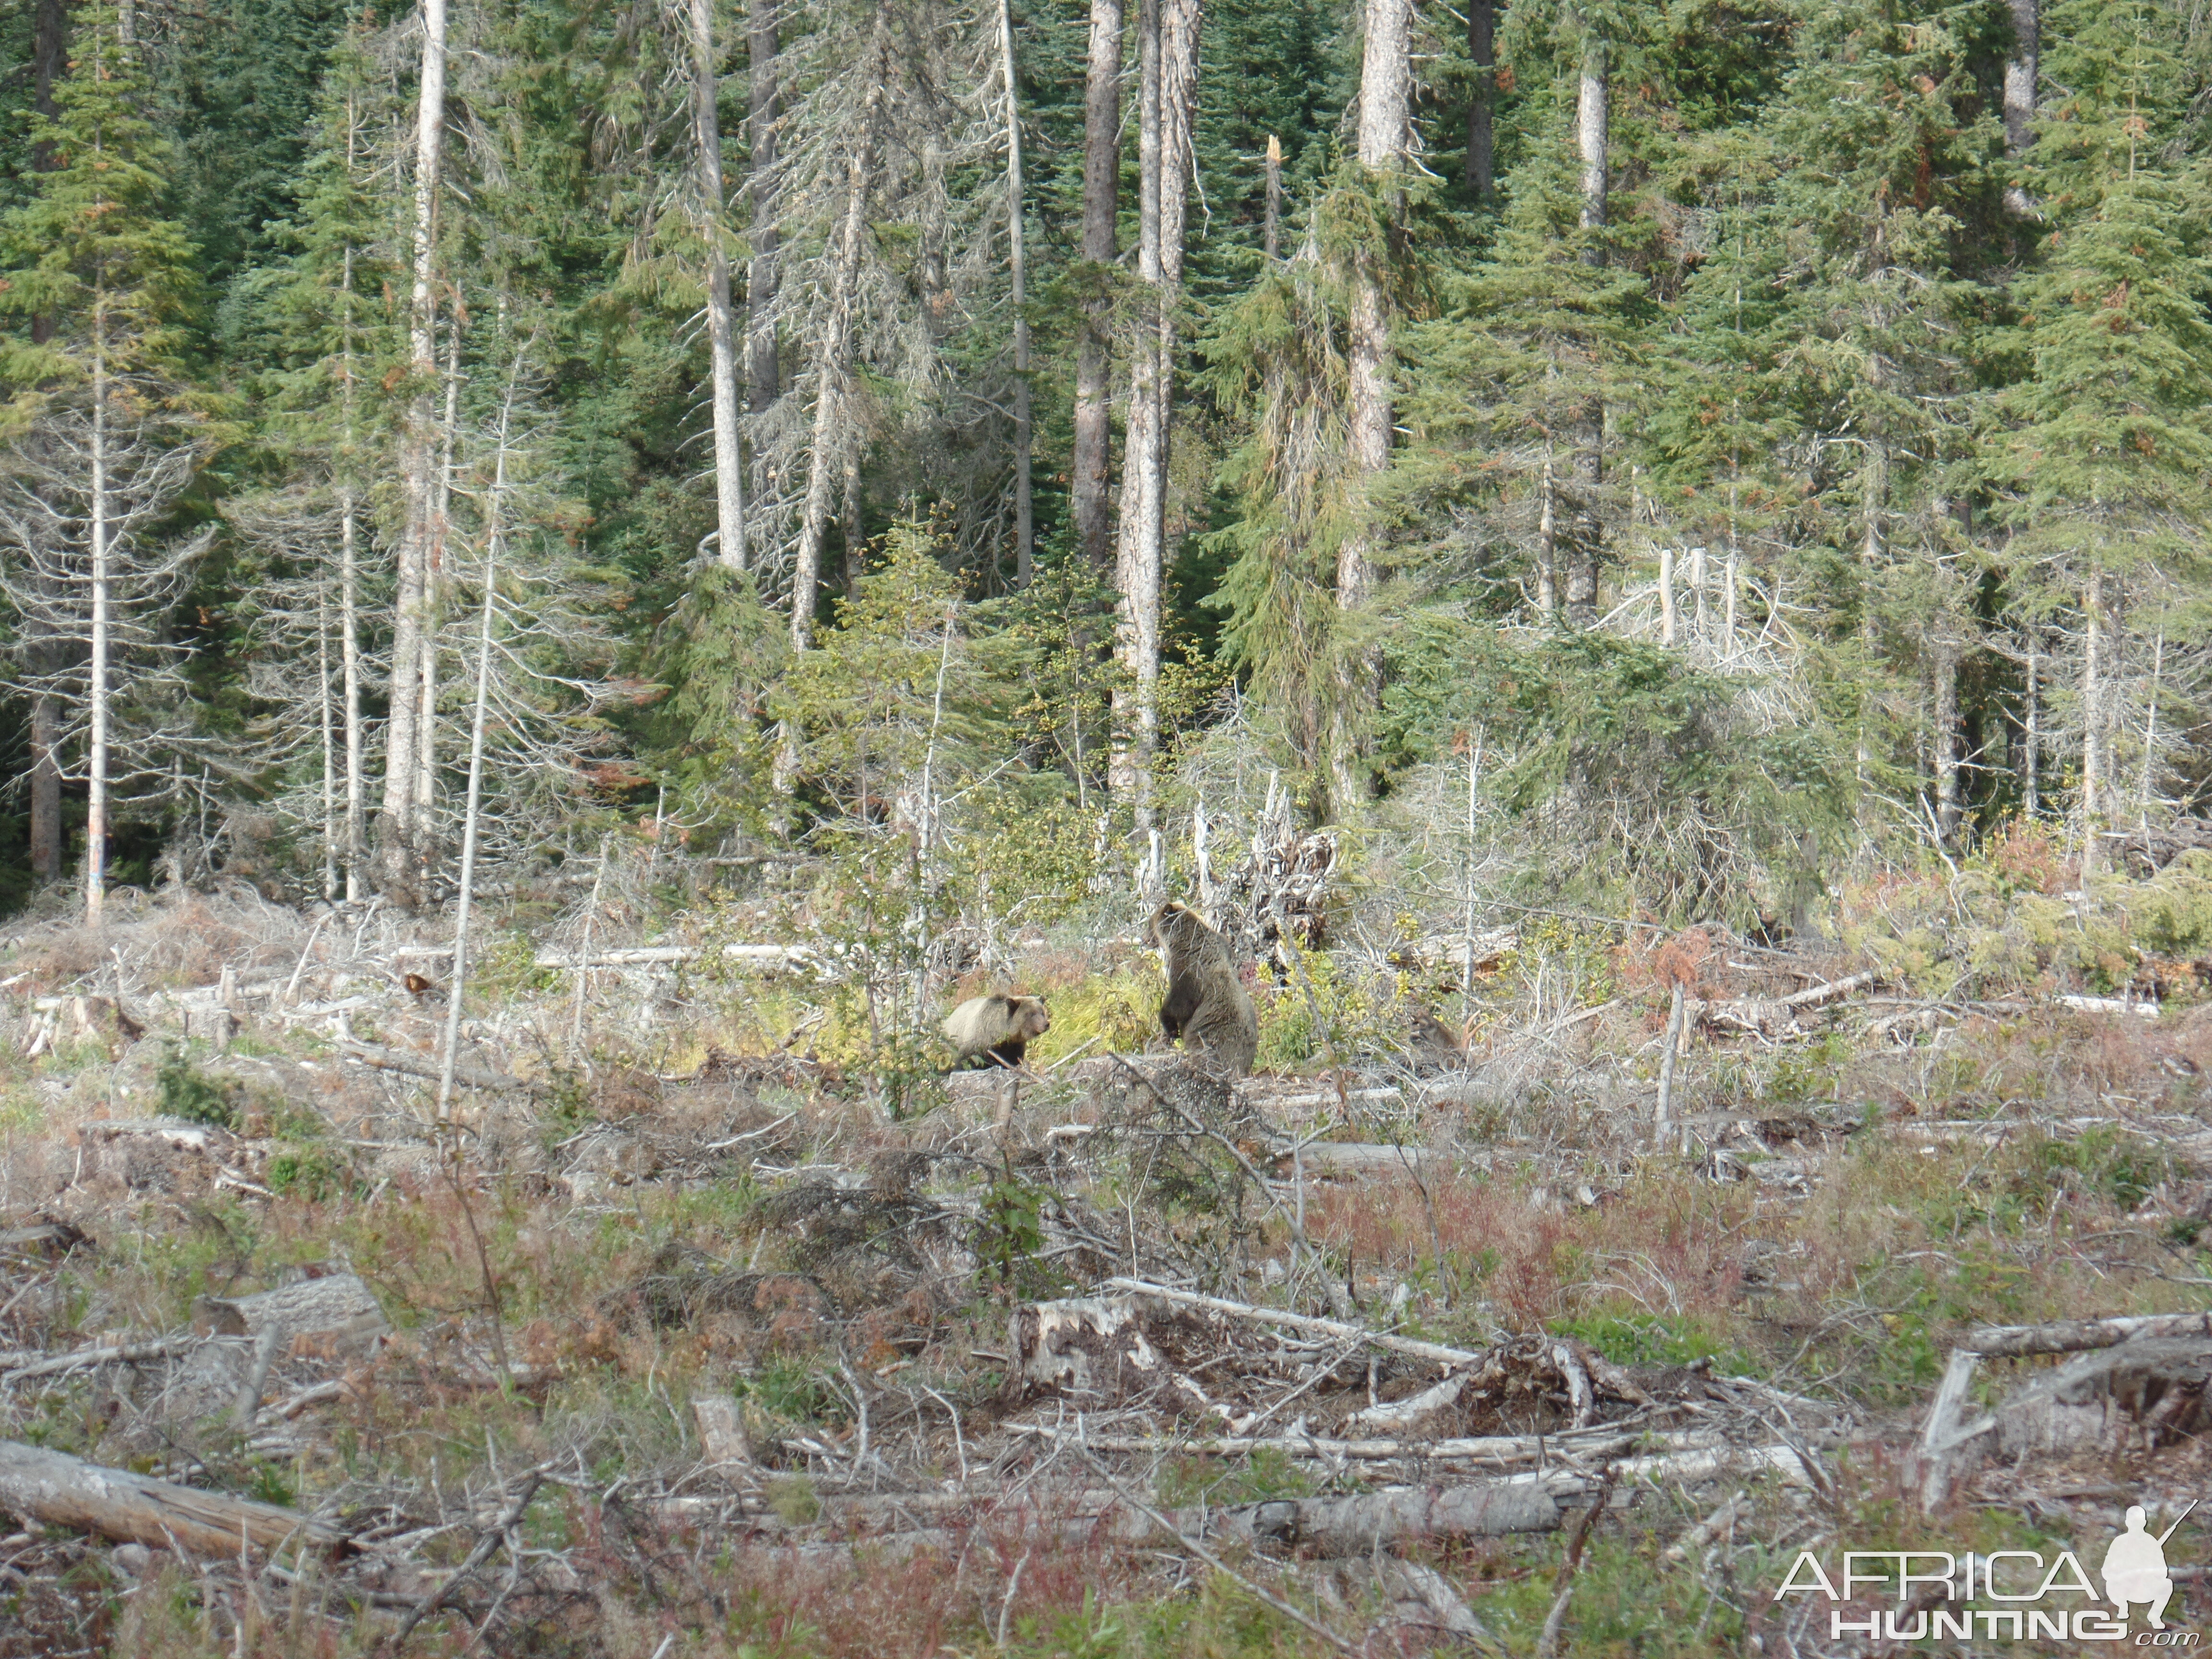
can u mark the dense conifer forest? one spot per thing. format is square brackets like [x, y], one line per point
[1774, 441]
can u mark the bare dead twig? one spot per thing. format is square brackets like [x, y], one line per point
[494, 1536]
[1210, 1558]
[1547, 1644]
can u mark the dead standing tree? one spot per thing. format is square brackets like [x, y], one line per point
[399, 828]
[309, 664]
[93, 591]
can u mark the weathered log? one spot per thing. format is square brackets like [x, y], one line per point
[339, 1308]
[1434, 1352]
[1815, 995]
[57, 1489]
[471, 1077]
[2075, 1335]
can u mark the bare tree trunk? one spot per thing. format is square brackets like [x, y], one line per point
[436, 578]
[397, 823]
[1385, 82]
[2150, 733]
[95, 822]
[494, 522]
[850, 522]
[1102, 166]
[833, 419]
[46, 787]
[1547, 545]
[2022, 69]
[1666, 596]
[2032, 728]
[1481, 146]
[760, 280]
[1272, 228]
[721, 321]
[49, 61]
[1017, 269]
[1593, 128]
[2094, 647]
[333, 826]
[1874, 480]
[1137, 561]
[1948, 808]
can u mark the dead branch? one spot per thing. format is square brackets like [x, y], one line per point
[1409, 1345]
[491, 1540]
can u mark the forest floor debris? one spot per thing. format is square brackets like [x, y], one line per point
[685, 1337]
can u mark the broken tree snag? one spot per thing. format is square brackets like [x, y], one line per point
[57, 1490]
[722, 1435]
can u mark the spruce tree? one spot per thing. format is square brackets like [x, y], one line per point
[2104, 447]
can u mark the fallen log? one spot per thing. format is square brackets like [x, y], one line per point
[1322, 1157]
[2075, 1335]
[1490, 1449]
[1815, 995]
[646, 955]
[337, 1310]
[2108, 1006]
[57, 1489]
[1412, 1346]
[470, 1077]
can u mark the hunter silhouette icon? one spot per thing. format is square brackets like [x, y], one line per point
[2135, 1567]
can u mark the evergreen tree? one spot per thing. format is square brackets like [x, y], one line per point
[2101, 460]
[97, 418]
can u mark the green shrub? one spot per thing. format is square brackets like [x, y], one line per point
[188, 1093]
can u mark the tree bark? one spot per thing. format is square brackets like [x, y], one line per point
[436, 579]
[2031, 729]
[832, 431]
[1137, 561]
[1593, 128]
[1482, 144]
[397, 823]
[2022, 70]
[1547, 544]
[721, 321]
[57, 1490]
[1385, 80]
[761, 279]
[2094, 648]
[1948, 809]
[1271, 227]
[95, 822]
[46, 787]
[1018, 270]
[1101, 166]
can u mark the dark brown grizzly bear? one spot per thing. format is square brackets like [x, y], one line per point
[1206, 1004]
[995, 1030]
